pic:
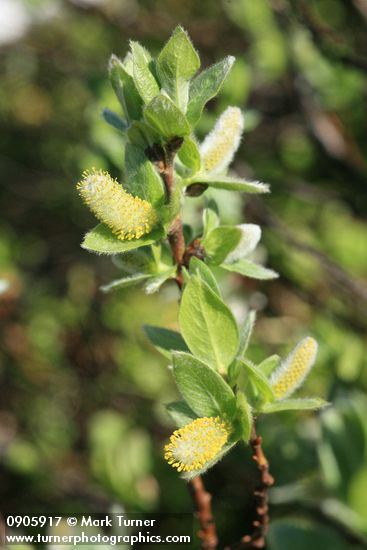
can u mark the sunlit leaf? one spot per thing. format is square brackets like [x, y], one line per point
[203, 389]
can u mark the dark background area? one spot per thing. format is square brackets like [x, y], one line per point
[82, 419]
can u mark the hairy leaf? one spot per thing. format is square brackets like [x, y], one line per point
[229, 183]
[144, 79]
[165, 340]
[244, 416]
[180, 413]
[205, 273]
[208, 325]
[269, 365]
[206, 86]
[305, 404]
[164, 117]
[210, 220]
[220, 242]
[142, 135]
[176, 64]
[143, 179]
[125, 282]
[203, 389]
[189, 154]
[114, 120]
[155, 283]
[125, 89]
[102, 241]
[257, 378]
[251, 270]
[245, 332]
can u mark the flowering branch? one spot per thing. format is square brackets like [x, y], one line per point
[221, 389]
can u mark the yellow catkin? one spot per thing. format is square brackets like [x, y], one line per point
[219, 147]
[291, 374]
[128, 217]
[196, 444]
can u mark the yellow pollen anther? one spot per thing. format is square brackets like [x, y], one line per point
[196, 444]
[128, 217]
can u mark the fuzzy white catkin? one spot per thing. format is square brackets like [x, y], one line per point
[290, 375]
[250, 237]
[220, 145]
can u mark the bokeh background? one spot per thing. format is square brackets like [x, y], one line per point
[82, 419]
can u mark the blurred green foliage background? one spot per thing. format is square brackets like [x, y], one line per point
[82, 419]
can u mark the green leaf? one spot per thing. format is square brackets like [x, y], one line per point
[234, 370]
[165, 118]
[142, 135]
[203, 389]
[155, 283]
[140, 261]
[189, 154]
[185, 275]
[125, 282]
[208, 325]
[250, 237]
[210, 220]
[114, 120]
[220, 242]
[244, 416]
[250, 269]
[246, 332]
[257, 378]
[102, 241]
[180, 413]
[144, 79]
[205, 273]
[229, 183]
[125, 89]
[306, 404]
[269, 365]
[143, 179]
[176, 64]
[206, 86]
[165, 340]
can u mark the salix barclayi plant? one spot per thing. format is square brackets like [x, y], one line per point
[222, 391]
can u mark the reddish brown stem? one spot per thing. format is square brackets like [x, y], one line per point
[261, 520]
[202, 500]
[177, 242]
